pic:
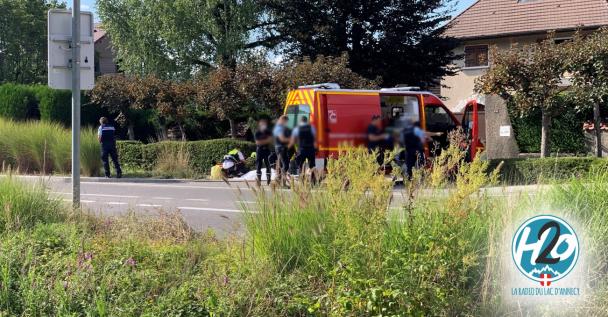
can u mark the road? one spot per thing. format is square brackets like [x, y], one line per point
[204, 205]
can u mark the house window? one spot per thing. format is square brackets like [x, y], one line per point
[476, 56]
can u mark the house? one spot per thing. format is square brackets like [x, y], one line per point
[105, 60]
[504, 23]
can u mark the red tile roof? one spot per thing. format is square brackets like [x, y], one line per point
[491, 18]
[98, 32]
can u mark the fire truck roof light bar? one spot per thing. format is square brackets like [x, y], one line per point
[323, 86]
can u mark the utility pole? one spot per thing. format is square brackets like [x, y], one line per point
[76, 104]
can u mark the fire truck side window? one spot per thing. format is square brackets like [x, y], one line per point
[294, 113]
[438, 120]
[395, 107]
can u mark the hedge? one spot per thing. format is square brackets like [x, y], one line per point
[203, 154]
[566, 131]
[23, 102]
[17, 102]
[538, 170]
[54, 105]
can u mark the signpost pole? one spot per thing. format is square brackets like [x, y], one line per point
[76, 104]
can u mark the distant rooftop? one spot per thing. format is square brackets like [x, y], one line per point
[98, 32]
[491, 18]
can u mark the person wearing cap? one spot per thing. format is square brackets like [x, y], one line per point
[377, 138]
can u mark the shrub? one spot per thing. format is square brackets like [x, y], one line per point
[202, 154]
[54, 105]
[538, 170]
[566, 132]
[17, 102]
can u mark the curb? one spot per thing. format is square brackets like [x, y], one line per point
[68, 179]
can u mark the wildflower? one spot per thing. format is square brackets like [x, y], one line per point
[131, 262]
[226, 280]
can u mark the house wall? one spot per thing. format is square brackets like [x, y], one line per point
[105, 56]
[458, 88]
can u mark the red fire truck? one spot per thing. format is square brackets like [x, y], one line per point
[341, 116]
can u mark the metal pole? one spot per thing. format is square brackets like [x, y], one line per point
[76, 104]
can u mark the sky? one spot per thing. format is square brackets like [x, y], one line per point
[89, 5]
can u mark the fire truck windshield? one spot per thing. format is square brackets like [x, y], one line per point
[295, 112]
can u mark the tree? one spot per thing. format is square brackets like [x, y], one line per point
[175, 103]
[116, 93]
[23, 43]
[180, 38]
[400, 41]
[304, 71]
[528, 78]
[233, 94]
[588, 65]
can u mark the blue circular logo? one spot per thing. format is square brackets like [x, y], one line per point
[545, 249]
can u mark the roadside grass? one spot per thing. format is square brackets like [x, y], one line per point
[42, 147]
[174, 162]
[334, 249]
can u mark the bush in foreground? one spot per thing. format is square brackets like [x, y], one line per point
[337, 250]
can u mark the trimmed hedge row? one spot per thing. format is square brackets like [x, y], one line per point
[538, 170]
[23, 102]
[18, 102]
[203, 154]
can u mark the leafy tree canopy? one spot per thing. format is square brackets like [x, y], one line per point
[400, 41]
[178, 38]
[23, 44]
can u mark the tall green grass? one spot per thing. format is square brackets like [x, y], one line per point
[24, 206]
[368, 259]
[42, 147]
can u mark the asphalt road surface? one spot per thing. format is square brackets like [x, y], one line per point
[204, 205]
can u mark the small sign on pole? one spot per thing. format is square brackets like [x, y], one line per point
[71, 65]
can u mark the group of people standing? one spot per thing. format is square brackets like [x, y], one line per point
[282, 140]
[409, 135]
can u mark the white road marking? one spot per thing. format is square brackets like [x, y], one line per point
[246, 202]
[116, 203]
[162, 198]
[148, 205]
[210, 209]
[97, 195]
[197, 199]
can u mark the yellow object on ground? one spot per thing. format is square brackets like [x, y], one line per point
[216, 172]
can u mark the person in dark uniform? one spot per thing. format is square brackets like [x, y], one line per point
[305, 137]
[413, 142]
[107, 139]
[263, 139]
[281, 135]
[376, 138]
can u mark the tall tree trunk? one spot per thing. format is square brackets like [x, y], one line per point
[131, 131]
[597, 119]
[233, 131]
[545, 143]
